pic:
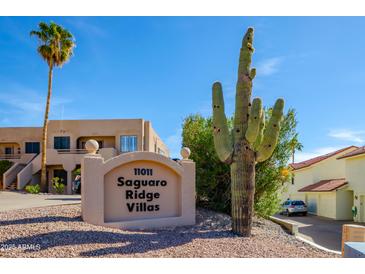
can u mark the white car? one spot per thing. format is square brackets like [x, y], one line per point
[291, 207]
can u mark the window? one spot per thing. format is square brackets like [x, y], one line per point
[32, 147]
[128, 143]
[8, 150]
[297, 203]
[62, 142]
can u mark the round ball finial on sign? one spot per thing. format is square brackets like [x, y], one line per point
[185, 153]
[92, 146]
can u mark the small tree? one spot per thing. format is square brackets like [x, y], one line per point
[213, 176]
[295, 145]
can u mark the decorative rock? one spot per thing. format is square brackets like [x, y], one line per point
[92, 146]
[185, 153]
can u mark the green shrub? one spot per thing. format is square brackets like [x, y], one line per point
[4, 166]
[33, 189]
[213, 176]
[77, 172]
[57, 184]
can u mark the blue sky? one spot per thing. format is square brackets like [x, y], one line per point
[162, 69]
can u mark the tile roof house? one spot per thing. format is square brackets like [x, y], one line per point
[325, 185]
[331, 184]
[357, 152]
[318, 159]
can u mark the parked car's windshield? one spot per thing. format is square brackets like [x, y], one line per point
[297, 203]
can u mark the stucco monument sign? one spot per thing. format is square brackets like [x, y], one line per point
[137, 190]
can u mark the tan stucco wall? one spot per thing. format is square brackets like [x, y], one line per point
[101, 206]
[20, 135]
[109, 131]
[114, 195]
[108, 141]
[80, 128]
[153, 142]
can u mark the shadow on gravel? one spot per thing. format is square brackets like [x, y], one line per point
[130, 243]
[46, 219]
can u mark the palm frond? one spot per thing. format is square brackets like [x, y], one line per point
[57, 43]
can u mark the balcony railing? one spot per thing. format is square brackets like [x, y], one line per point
[72, 151]
[9, 156]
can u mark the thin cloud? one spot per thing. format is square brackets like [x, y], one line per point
[84, 26]
[25, 106]
[348, 135]
[269, 66]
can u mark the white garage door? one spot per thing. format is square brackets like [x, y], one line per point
[312, 203]
[327, 205]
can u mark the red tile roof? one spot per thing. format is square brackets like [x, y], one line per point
[359, 151]
[324, 185]
[315, 160]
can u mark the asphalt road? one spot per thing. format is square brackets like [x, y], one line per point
[322, 231]
[10, 200]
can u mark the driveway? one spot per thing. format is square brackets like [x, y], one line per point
[320, 230]
[10, 200]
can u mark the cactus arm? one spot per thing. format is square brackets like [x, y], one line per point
[254, 121]
[222, 138]
[260, 134]
[244, 86]
[252, 73]
[271, 134]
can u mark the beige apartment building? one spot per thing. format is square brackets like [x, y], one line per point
[66, 147]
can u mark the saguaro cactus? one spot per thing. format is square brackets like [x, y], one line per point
[250, 141]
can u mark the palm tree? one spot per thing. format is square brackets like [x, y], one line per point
[295, 145]
[56, 48]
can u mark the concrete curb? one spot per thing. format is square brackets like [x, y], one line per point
[317, 245]
[291, 227]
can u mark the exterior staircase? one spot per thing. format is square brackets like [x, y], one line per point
[12, 186]
[25, 176]
[16, 177]
[10, 176]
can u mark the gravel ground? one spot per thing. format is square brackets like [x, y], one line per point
[58, 231]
